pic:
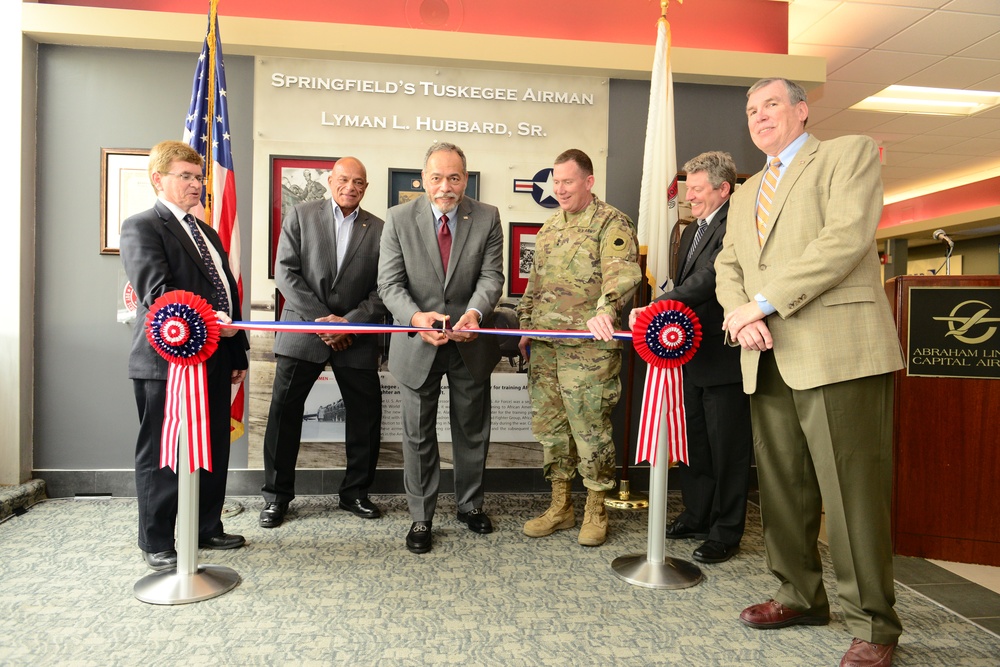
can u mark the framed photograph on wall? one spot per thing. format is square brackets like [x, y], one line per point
[406, 184]
[522, 256]
[294, 180]
[125, 191]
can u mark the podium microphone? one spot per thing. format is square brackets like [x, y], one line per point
[939, 235]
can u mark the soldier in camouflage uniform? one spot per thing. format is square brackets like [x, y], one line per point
[584, 270]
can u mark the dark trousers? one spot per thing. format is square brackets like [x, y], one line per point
[829, 449]
[714, 484]
[362, 394]
[156, 487]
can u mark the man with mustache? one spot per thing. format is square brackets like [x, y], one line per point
[441, 266]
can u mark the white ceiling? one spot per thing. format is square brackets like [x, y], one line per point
[870, 44]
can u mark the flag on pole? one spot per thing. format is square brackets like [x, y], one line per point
[207, 127]
[658, 193]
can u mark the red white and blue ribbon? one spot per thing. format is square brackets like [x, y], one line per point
[666, 335]
[183, 329]
[361, 328]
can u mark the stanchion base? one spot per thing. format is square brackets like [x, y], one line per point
[671, 573]
[169, 587]
[630, 501]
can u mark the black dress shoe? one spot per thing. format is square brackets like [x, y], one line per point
[273, 515]
[161, 560]
[477, 521]
[220, 542]
[418, 540]
[678, 530]
[362, 507]
[714, 551]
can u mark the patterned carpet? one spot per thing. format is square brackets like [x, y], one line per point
[327, 588]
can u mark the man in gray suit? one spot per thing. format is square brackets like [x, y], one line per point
[442, 260]
[326, 267]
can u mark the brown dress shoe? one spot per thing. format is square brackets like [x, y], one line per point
[867, 654]
[772, 614]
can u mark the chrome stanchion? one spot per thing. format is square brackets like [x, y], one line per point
[189, 581]
[652, 569]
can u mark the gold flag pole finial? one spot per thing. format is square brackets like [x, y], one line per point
[213, 7]
[664, 5]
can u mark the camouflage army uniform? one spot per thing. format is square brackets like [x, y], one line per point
[585, 265]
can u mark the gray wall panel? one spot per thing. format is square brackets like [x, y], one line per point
[89, 98]
[706, 118]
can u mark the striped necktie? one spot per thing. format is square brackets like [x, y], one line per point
[765, 200]
[702, 226]
[221, 298]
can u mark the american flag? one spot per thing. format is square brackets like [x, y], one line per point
[210, 86]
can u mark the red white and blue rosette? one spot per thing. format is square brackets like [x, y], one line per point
[666, 335]
[183, 329]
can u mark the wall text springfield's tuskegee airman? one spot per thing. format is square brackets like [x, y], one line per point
[431, 89]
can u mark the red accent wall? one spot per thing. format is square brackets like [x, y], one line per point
[971, 197]
[727, 25]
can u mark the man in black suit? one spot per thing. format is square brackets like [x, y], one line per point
[327, 266]
[164, 249]
[714, 483]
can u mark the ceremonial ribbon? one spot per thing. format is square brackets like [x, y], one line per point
[183, 329]
[361, 328]
[666, 335]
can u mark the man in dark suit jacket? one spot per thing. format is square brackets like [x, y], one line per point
[442, 258]
[160, 253]
[715, 481]
[326, 269]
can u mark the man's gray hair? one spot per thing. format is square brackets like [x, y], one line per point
[445, 146]
[796, 93]
[719, 167]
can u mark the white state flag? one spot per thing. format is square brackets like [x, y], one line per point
[658, 194]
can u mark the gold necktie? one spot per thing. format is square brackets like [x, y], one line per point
[765, 200]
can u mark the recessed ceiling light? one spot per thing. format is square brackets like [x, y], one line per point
[934, 101]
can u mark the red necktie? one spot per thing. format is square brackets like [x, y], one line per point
[444, 242]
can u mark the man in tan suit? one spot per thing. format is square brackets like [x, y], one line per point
[798, 278]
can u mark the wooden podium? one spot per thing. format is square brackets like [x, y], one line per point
[947, 418]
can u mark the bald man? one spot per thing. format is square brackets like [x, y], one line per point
[326, 269]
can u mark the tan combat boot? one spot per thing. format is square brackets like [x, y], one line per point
[594, 530]
[558, 516]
